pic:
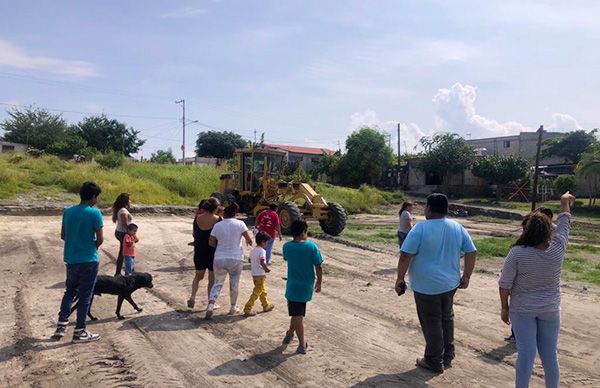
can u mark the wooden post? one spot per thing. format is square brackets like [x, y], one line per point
[536, 172]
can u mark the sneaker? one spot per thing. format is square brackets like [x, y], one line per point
[82, 335]
[233, 310]
[209, 311]
[268, 308]
[288, 338]
[249, 313]
[421, 362]
[191, 303]
[301, 349]
[60, 332]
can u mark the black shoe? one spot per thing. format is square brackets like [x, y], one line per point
[447, 364]
[421, 362]
[60, 332]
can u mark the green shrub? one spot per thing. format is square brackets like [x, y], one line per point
[564, 183]
[111, 159]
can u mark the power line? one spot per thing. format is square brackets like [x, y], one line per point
[92, 113]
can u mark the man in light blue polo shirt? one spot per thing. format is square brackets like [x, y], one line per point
[82, 232]
[431, 253]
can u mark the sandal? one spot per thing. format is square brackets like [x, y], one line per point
[421, 362]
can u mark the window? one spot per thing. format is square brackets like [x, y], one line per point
[7, 148]
[433, 178]
[506, 143]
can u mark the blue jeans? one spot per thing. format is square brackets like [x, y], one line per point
[269, 249]
[129, 262]
[80, 282]
[536, 331]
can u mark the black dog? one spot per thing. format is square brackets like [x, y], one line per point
[123, 286]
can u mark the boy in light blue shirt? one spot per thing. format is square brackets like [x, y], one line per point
[431, 253]
[303, 260]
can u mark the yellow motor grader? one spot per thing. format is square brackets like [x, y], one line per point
[257, 183]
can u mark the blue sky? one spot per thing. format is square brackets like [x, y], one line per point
[306, 72]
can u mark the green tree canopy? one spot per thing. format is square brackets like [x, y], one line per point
[163, 157]
[35, 127]
[501, 170]
[446, 153]
[571, 146]
[71, 143]
[216, 144]
[367, 156]
[106, 134]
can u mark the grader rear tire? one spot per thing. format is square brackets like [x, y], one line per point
[336, 220]
[218, 196]
[288, 212]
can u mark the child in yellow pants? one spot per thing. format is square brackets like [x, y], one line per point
[259, 269]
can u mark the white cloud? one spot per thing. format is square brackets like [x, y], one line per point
[563, 122]
[184, 12]
[15, 57]
[410, 133]
[455, 112]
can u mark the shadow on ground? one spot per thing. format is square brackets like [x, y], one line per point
[416, 378]
[256, 364]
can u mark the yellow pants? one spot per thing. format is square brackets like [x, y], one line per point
[260, 291]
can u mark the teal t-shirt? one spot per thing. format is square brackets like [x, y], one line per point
[437, 245]
[80, 223]
[302, 257]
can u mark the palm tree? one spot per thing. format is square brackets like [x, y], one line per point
[589, 168]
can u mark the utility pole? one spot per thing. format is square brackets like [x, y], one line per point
[398, 177]
[537, 169]
[255, 136]
[182, 102]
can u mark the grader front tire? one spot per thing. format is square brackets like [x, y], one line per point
[336, 220]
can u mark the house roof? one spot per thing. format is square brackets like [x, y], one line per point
[302, 150]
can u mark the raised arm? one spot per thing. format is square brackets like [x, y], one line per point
[563, 223]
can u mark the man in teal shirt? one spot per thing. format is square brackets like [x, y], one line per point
[431, 253]
[82, 232]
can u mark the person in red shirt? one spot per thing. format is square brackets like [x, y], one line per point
[129, 242]
[268, 221]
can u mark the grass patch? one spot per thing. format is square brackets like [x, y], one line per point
[493, 247]
[580, 209]
[365, 199]
[148, 183]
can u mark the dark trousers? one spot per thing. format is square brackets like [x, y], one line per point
[80, 282]
[436, 316]
[120, 236]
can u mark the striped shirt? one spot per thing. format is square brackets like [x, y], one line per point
[533, 275]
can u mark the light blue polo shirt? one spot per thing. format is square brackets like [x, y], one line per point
[80, 223]
[437, 245]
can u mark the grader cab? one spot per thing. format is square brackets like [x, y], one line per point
[257, 183]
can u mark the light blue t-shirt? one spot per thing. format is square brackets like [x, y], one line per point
[301, 257]
[437, 245]
[80, 223]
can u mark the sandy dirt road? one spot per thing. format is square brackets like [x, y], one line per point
[360, 333]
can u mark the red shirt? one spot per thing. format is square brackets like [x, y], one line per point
[268, 221]
[128, 250]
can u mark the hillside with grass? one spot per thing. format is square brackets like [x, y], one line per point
[49, 178]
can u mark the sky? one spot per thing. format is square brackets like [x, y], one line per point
[306, 72]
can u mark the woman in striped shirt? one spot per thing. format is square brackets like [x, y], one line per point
[531, 280]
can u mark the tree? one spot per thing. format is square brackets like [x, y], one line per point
[106, 134]
[163, 157]
[367, 156]
[35, 127]
[571, 146]
[328, 165]
[216, 144]
[589, 168]
[71, 144]
[500, 170]
[446, 153]
[564, 183]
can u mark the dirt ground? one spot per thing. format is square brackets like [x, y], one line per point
[360, 333]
